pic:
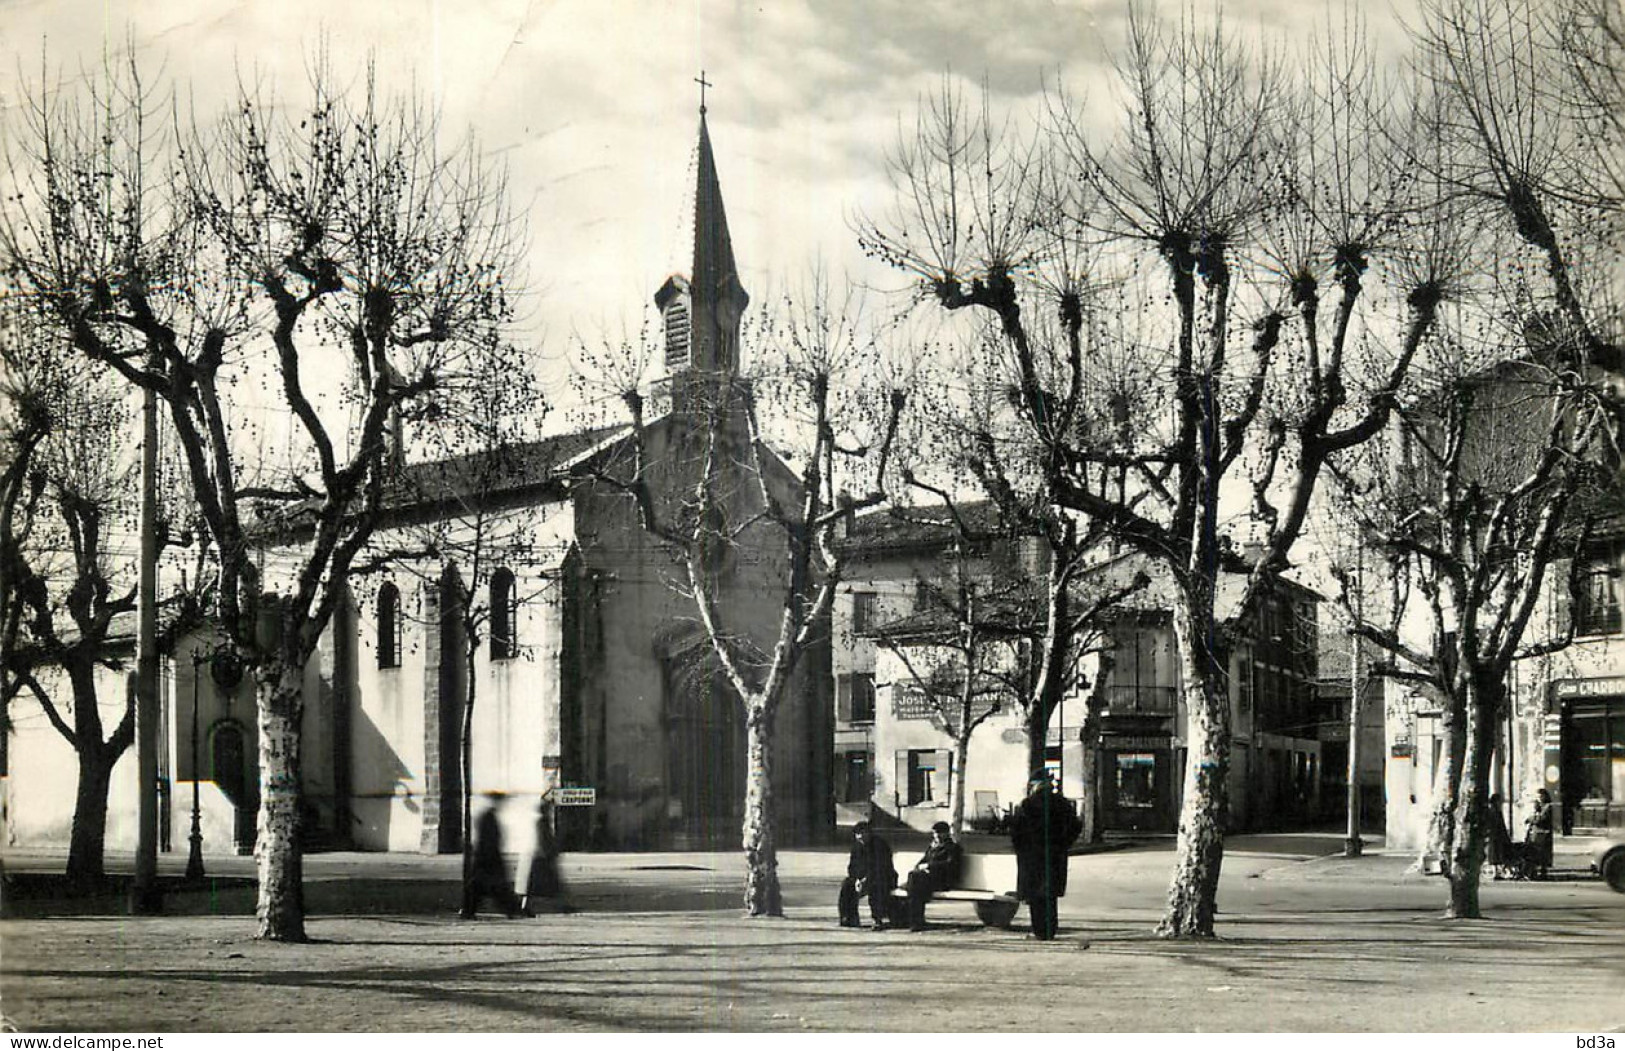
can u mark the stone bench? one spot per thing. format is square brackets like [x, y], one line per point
[979, 876]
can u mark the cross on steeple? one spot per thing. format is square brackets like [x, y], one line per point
[703, 83]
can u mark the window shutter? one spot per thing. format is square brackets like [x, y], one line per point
[900, 785]
[1562, 603]
[862, 703]
[942, 777]
[843, 698]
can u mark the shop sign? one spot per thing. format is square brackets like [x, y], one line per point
[1590, 687]
[1402, 750]
[1139, 744]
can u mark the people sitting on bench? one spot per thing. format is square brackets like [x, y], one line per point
[869, 872]
[937, 869]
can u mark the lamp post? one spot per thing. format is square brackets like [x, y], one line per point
[194, 856]
[225, 671]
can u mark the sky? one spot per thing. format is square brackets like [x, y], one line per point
[594, 107]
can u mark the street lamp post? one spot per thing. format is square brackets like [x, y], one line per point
[194, 856]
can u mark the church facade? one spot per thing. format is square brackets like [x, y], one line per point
[589, 672]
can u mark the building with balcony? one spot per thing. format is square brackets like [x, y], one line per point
[894, 756]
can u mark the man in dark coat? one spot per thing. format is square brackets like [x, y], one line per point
[1041, 830]
[1537, 836]
[936, 870]
[869, 872]
[489, 877]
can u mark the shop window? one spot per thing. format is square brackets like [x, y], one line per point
[1597, 742]
[504, 616]
[1136, 780]
[922, 777]
[389, 626]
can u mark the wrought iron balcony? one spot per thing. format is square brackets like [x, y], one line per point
[1142, 700]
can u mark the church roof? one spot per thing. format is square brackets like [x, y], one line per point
[501, 470]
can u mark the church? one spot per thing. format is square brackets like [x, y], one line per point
[589, 674]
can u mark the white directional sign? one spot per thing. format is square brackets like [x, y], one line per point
[574, 796]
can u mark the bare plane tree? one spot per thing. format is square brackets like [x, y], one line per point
[1230, 198]
[65, 595]
[335, 259]
[1474, 498]
[812, 390]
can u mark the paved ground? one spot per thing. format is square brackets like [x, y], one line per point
[1308, 942]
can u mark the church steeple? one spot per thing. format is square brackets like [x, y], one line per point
[702, 313]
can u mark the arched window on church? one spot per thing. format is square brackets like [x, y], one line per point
[389, 626]
[504, 616]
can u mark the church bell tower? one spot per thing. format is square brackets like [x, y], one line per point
[700, 313]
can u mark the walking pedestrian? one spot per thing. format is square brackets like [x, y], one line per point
[1041, 830]
[544, 887]
[489, 875]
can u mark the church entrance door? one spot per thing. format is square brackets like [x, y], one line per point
[706, 761]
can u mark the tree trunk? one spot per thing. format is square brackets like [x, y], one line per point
[89, 836]
[1193, 893]
[762, 896]
[961, 751]
[88, 839]
[1094, 711]
[1442, 821]
[281, 907]
[1483, 707]
[1037, 726]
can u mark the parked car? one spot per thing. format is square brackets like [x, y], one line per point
[1609, 861]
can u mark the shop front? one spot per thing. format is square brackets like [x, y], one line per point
[1137, 783]
[1585, 752]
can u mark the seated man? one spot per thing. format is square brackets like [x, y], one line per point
[869, 872]
[936, 870]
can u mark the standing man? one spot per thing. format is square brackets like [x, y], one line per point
[869, 872]
[1041, 830]
[936, 870]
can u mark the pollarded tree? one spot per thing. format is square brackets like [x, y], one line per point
[1475, 496]
[724, 488]
[335, 259]
[1529, 97]
[1230, 198]
[958, 652]
[65, 595]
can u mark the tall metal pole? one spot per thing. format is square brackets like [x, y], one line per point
[1353, 845]
[144, 893]
[194, 853]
